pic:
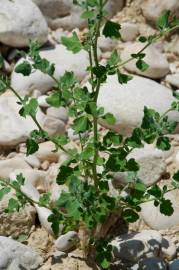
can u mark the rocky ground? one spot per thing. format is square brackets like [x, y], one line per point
[152, 243]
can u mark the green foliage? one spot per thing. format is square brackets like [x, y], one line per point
[87, 203]
[72, 43]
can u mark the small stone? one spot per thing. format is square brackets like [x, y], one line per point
[59, 113]
[67, 241]
[173, 79]
[168, 249]
[129, 31]
[42, 101]
[33, 161]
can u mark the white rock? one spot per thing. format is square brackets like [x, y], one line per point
[106, 44]
[59, 113]
[67, 241]
[168, 249]
[173, 79]
[62, 58]
[14, 224]
[33, 177]
[42, 101]
[132, 247]
[33, 161]
[158, 64]
[126, 102]
[129, 31]
[45, 152]
[16, 129]
[53, 126]
[153, 9]
[18, 255]
[152, 263]
[150, 159]
[62, 13]
[17, 31]
[158, 221]
[8, 166]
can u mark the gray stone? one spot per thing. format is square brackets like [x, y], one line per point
[17, 256]
[17, 31]
[152, 263]
[173, 79]
[134, 246]
[67, 241]
[59, 113]
[169, 250]
[129, 31]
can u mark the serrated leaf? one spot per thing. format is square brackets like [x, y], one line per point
[163, 143]
[124, 78]
[111, 30]
[163, 21]
[72, 43]
[166, 207]
[24, 68]
[32, 146]
[109, 118]
[55, 100]
[81, 124]
[130, 215]
[142, 65]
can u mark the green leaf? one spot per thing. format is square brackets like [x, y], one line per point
[44, 66]
[13, 205]
[163, 143]
[55, 100]
[32, 146]
[111, 30]
[72, 43]
[142, 65]
[81, 124]
[4, 84]
[24, 68]
[88, 14]
[142, 39]
[4, 191]
[45, 198]
[99, 71]
[64, 173]
[105, 264]
[109, 118]
[29, 108]
[166, 207]
[155, 191]
[163, 21]
[124, 78]
[130, 215]
[132, 165]
[22, 238]
[87, 153]
[176, 176]
[114, 58]
[112, 138]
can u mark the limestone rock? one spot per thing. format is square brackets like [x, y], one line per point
[67, 241]
[62, 13]
[158, 221]
[127, 102]
[173, 79]
[129, 31]
[17, 31]
[62, 58]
